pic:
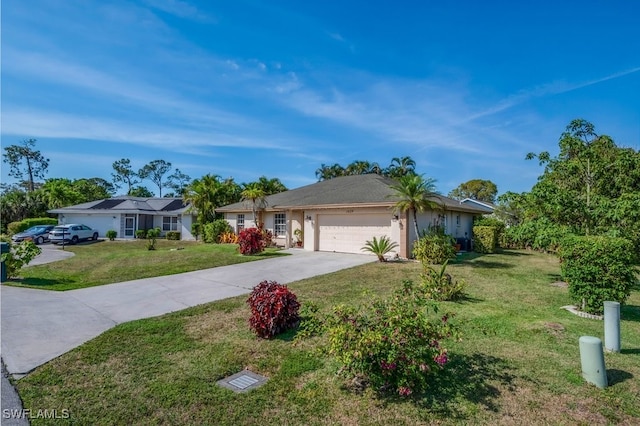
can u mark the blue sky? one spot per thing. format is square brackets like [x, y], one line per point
[250, 88]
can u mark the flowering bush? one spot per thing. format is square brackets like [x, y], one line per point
[251, 241]
[394, 343]
[274, 309]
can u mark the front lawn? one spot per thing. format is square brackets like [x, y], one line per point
[107, 262]
[518, 362]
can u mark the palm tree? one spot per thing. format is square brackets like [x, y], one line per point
[255, 197]
[401, 167]
[415, 193]
[380, 247]
[270, 186]
[358, 168]
[202, 196]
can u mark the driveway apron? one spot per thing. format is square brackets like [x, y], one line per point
[40, 325]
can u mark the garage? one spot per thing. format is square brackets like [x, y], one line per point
[348, 233]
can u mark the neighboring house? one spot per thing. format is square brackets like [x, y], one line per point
[488, 207]
[341, 214]
[127, 214]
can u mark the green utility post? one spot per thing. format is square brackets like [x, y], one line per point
[4, 248]
[592, 359]
[612, 326]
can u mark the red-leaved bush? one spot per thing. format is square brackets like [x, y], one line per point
[251, 241]
[274, 309]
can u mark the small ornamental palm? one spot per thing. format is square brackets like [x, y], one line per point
[380, 247]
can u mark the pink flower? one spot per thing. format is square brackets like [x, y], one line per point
[441, 359]
[404, 391]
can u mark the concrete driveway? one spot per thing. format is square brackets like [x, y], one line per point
[40, 325]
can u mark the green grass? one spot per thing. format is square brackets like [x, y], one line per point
[518, 362]
[107, 262]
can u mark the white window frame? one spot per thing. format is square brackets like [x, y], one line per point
[280, 225]
[239, 222]
[169, 223]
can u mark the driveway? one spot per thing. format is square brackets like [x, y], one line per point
[40, 325]
[50, 253]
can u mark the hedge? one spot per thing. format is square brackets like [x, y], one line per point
[15, 227]
[173, 235]
[597, 269]
[485, 239]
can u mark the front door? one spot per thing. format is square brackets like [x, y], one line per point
[129, 226]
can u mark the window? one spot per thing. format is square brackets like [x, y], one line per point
[280, 225]
[458, 220]
[240, 223]
[170, 223]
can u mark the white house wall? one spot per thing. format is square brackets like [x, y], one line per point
[102, 222]
[461, 229]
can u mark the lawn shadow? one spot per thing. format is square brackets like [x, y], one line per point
[508, 252]
[465, 298]
[617, 376]
[630, 313]
[37, 282]
[476, 378]
[486, 264]
[634, 351]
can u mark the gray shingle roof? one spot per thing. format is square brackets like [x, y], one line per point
[353, 191]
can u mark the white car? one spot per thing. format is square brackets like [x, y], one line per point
[72, 234]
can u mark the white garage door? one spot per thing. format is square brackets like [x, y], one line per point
[348, 233]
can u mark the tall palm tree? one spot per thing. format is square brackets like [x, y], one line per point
[415, 193]
[402, 166]
[358, 168]
[202, 195]
[255, 197]
[270, 186]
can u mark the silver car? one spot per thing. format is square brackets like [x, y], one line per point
[72, 234]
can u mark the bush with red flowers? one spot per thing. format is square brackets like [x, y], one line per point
[274, 309]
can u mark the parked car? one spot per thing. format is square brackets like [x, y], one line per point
[72, 233]
[38, 234]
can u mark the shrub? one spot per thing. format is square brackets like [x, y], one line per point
[19, 255]
[485, 239]
[141, 234]
[173, 235]
[111, 234]
[597, 269]
[251, 241]
[380, 247]
[496, 223]
[228, 238]
[212, 230]
[439, 285]
[196, 230]
[152, 235]
[15, 227]
[274, 309]
[312, 323]
[394, 344]
[539, 234]
[434, 247]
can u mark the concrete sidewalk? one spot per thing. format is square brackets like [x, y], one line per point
[40, 325]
